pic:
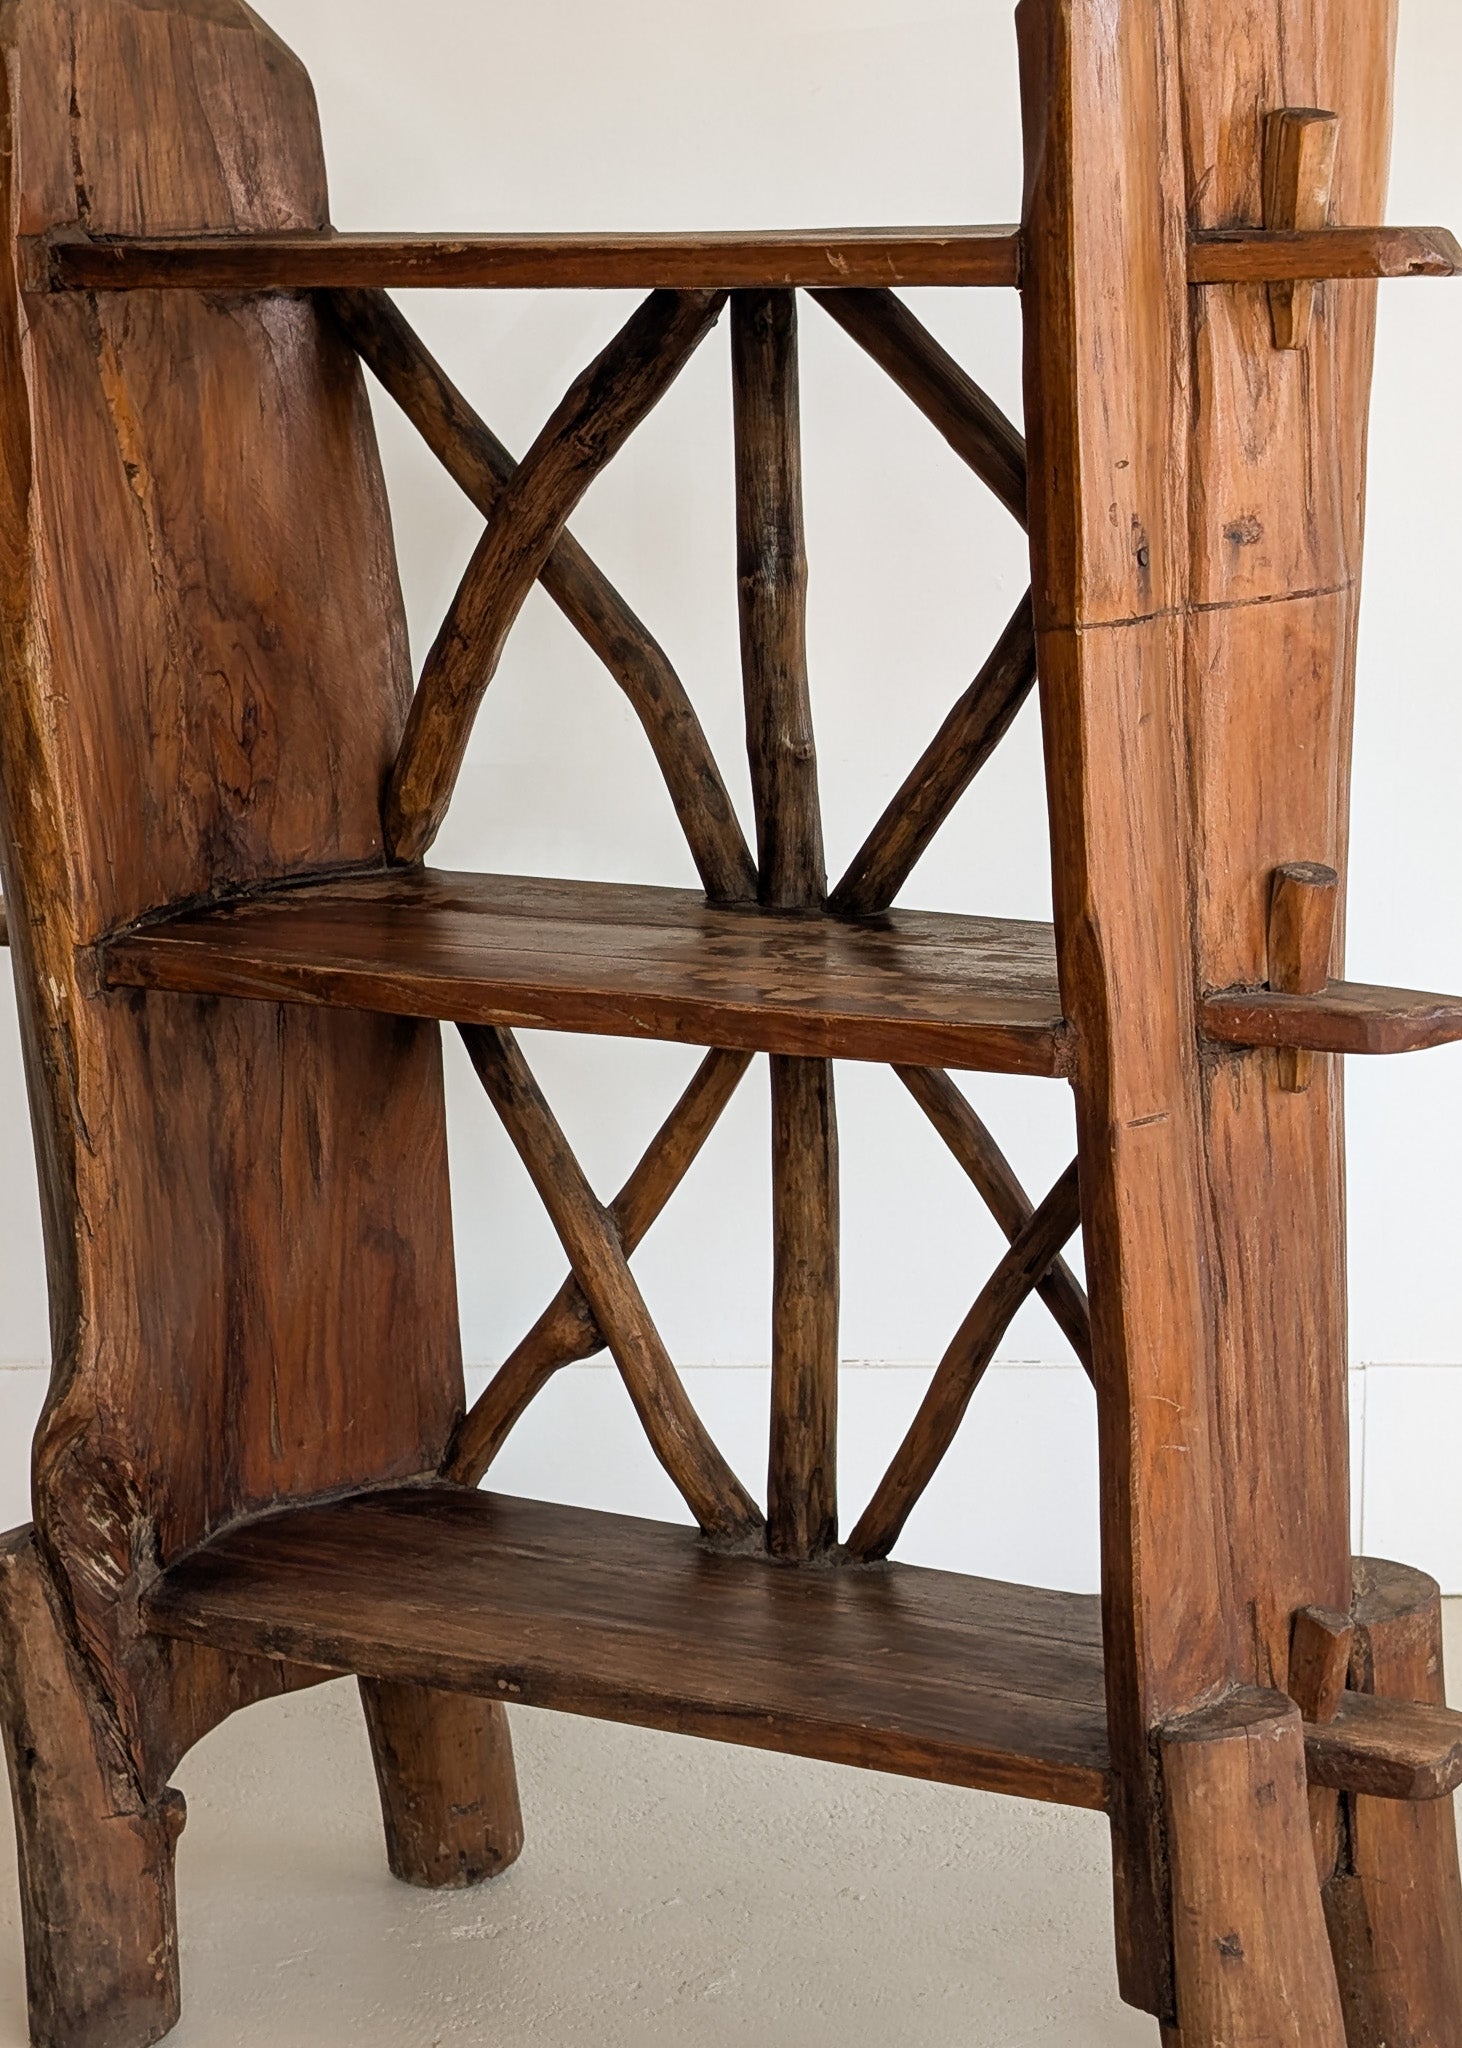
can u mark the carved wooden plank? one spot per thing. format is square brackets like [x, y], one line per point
[1387, 1748]
[963, 1366]
[942, 774]
[567, 1329]
[1245, 256]
[678, 1437]
[475, 458]
[969, 419]
[952, 1115]
[592, 422]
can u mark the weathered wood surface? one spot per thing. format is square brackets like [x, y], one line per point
[1306, 895]
[1344, 1017]
[1247, 256]
[639, 962]
[1387, 1748]
[587, 429]
[1395, 1905]
[475, 458]
[449, 1793]
[1319, 1670]
[678, 1437]
[1253, 1965]
[892, 1667]
[1299, 177]
[567, 1329]
[775, 260]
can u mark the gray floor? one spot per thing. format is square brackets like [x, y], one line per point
[673, 1894]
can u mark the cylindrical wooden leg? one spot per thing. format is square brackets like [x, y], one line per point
[96, 1858]
[1251, 1961]
[449, 1792]
[1395, 1904]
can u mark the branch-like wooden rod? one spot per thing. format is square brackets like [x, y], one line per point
[771, 557]
[1260, 256]
[567, 1329]
[476, 460]
[962, 1368]
[4, 924]
[596, 417]
[942, 774]
[677, 1435]
[968, 418]
[973, 1145]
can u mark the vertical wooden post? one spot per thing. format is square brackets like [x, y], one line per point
[449, 1793]
[1106, 309]
[802, 1515]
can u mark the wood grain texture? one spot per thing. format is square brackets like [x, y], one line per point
[1253, 1963]
[449, 1793]
[890, 1667]
[1387, 1748]
[1243, 256]
[802, 1469]
[968, 418]
[963, 1366]
[1395, 1906]
[637, 962]
[475, 458]
[1345, 1016]
[206, 672]
[1305, 896]
[677, 1436]
[950, 1112]
[587, 429]
[1319, 1670]
[944, 771]
[671, 262]
[567, 1329]
[1299, 176]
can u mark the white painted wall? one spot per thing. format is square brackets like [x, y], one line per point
[656, 113]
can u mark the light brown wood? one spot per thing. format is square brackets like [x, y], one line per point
[1299, 174]
[889, 1667]
[776, 260]
[1319, 1667]
[1253, 1964]
[962, 1367]
[474, 457]
[1387, 1749]
[1345, 1017]
[567, 1329]
[1249, 256]
[449, 1793]
[1395, 1906]
[968, 418]
[595, 418]
[1302, 912]
[677, 1436]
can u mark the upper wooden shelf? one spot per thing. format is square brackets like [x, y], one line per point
[910, 986]
[811, 258]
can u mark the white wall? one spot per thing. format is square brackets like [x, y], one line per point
[656, 113]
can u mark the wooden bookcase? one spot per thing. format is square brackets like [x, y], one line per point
[255, 1469]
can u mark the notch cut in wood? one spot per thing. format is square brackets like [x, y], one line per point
[1319, 1669]
[1299, 172]
[1303, 900]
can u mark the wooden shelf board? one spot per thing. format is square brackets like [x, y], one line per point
[891, 1667]
[1345, 1016]
[917, 987]
[526, 262]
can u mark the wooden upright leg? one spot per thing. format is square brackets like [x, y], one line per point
[449, 1793]
[1395, 1905]
[1252, 1965]
[96, 1857]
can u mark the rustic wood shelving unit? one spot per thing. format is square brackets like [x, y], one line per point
[219, 786]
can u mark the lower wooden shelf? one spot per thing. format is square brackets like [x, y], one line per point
[892, 1667]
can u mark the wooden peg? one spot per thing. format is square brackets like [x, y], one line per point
[1319, 1667]
[1302, 906]
[1299, 170]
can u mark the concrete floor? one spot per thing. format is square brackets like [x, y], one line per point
[673, 1894]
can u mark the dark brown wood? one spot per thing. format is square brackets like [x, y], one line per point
[1299, 176]
[916, 986]
[963, 1366]
[449, 1793]
[968, 418]
[475, 458]
[567, 1329]
[942, 774]
[597, 415]
[802, 1475]
[890, 1667]
[1319, 1668]
[1387, 1748]
[963, 1131]
[95, 1852]
[705, 262]
[1395, 1905]
[1252, 1961]
[1306, 895]
[1345, 1016]
[1254, 256]
[678, 1437]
